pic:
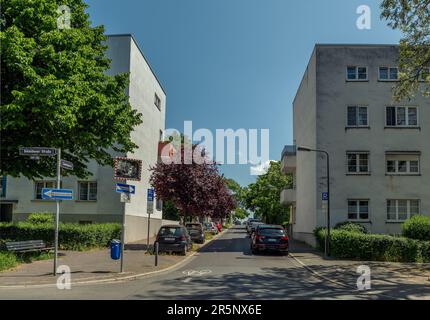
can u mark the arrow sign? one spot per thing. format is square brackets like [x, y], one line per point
[57, 194]
[66, 164]
[125, 188]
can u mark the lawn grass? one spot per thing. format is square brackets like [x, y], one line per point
[9, 260]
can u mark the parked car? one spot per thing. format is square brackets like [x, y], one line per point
[253, 226]
[196, 232]
[173, 238]
[249, 222]
[211, 227]
[271, 238]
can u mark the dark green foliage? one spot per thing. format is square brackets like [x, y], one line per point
[37, 218]
[350, 226]
[417, 227]
[376, 247]
[71, 236]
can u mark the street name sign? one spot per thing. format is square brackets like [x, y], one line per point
[37, 151]
[66, 164]
[57, 194]
[125, 188]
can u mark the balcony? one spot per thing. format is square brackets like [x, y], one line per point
[288, 160]
[288, 196]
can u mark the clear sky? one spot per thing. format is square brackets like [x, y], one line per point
[236, 63]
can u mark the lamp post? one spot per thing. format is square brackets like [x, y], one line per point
[327, 239]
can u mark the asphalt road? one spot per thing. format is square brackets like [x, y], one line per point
[224, 269]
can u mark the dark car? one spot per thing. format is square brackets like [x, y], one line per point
[270, 238]
[253, 227]
[196, 232]
[173, 238]
[249, 223]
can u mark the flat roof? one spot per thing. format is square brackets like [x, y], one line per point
[141, 52]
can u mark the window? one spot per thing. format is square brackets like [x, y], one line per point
[87, 191]
[358, 162]
[358, 209]
[400, 210]
[402, 116]
[157, 101]
[39, 185]
[357, 116]
[354, 73]
[388, 73]
[402, 163]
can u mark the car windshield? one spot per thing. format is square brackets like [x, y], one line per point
[170, 232]
[271, 232]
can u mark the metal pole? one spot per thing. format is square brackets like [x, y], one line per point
[57, 216]
[156, 253]
[328, 207]
[122, 242]
[147, 239]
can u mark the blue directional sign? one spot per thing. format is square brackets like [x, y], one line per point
[325, 196]
[125, 188]
[57, 194]
[150, 196]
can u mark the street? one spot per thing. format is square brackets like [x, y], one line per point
[224, 269]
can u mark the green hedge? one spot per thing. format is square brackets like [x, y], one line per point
[43, 217]
[417, 227]
[71, 236]
[351, 226]
[353, 245]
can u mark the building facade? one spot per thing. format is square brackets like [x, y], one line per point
[95, 199]
[379, 149]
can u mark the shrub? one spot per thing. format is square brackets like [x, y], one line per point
[71, 236]
[350, 226]
[7, 260]
[40, 218]
[417, 227]
[354, 245]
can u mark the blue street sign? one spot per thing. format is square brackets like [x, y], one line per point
[150, 196]
[57, 194]
[325, 196]
[125, 188]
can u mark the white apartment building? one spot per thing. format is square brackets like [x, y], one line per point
[95, 199]
[379, 149]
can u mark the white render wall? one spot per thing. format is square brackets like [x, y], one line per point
[126, 57]
[333, 94]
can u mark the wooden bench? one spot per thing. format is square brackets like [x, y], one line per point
[27, 246]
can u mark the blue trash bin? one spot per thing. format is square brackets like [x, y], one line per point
[115, 249]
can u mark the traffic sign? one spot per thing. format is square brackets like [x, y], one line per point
[57, 194]
[125, 188]
[325, 196]
[66, 164]
[37, 151]
[125, 197]
[150, 195]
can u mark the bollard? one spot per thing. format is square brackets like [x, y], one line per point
[156, 254]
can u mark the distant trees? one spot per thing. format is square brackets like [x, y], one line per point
[412, 18]
[195, 189]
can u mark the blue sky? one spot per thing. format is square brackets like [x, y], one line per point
[236, 63]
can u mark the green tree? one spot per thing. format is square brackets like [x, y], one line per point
[263, 196]
[55, 91]
[238, 193]
[412, 18]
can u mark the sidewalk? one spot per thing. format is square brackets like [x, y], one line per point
[91, 265]
[390, 278]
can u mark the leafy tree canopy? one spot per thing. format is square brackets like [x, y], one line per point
[55, 91]
[412, 18]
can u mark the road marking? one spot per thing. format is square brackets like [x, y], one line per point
[196, 273]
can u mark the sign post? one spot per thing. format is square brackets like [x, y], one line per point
[149, 210]
[57, 216]
[125, 190]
